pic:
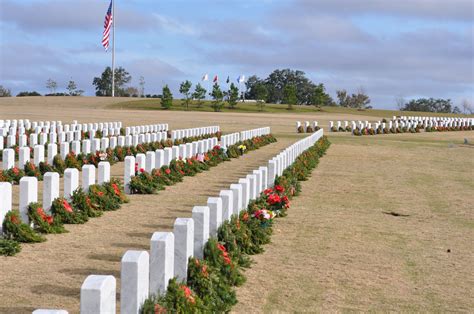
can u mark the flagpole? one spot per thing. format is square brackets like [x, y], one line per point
[113, 48]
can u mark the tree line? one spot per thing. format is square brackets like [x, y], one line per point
[282, 86]
[434, 105]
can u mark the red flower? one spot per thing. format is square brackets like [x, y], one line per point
[116, 189]
[187, 291]
[204, 271]
[49, 219]
[221, 247]
[258, 213]
[142, 170]
[273, 199]
[279, 188]
[67, 207]
[100, 194]
[227, 260]
[159, 309]
[285, 199]
[14, 219]
[268, 191]
[181, 171]
[167, 171]
[16, 170]
[136, 167]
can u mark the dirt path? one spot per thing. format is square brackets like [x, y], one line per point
[340, 249]
[49, 275]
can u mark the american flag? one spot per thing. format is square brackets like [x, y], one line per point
[107, 26]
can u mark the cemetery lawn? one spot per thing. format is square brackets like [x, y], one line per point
[385, 223]
[339, 249]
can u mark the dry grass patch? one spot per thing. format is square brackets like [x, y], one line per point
[340, 249]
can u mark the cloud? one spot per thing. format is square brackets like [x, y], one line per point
[418, 47]
[428, 9]
[80, 15]
[27, 67]
[236, 32]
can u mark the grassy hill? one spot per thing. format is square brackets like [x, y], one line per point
[155, 104]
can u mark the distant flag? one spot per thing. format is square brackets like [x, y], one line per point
[228, 80]
[216, 79]
[107, 26]
[241, 79]
[205, 77]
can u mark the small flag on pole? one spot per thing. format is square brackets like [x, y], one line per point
[216, 79]
[241, 79]
[205, 77]
[107, 26]
[228, 80]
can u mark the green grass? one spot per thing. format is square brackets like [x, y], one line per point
[155, 104]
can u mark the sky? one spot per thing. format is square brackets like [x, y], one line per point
[392, 49]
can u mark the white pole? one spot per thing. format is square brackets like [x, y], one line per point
[113, 48]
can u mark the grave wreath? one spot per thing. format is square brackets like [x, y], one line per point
[43, 222]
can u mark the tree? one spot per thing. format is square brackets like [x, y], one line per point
[467, 107]
[289, 96]
[167, 98]
[184, 89]
[130, 91]
[71, 87]
[33, 93]
[320, 97]
[359, 100]
[217, 96]
[250, 84]
[199, 94]
[400, 101]
[5, 92]
[141, 83]
[429, 105]
[103, 84]
[343, 98]
[233, 95]
[51, 85]
[279, 79]
[261, 95]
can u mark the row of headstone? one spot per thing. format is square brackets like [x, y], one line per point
[76, 136]
[29, 188]
[76, 147]
[279, 163]
[308, 127]
[230, 139]
[207, 130]
[146, 273]
[247, 135]
[142, 129]
[451, 122]
[54, 131]
[13, 127]
[163, 157]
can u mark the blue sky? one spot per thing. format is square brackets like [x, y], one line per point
[417, 48]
